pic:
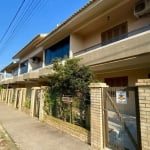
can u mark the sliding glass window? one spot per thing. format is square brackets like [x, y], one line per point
[15, 72]
[59, 50]
[24, 67]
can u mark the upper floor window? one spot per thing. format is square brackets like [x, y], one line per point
[114, 34]
[15, 72]
[24, 67]
[59, 50]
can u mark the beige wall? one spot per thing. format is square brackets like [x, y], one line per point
[90, 33]
[135, 23]
[33, 53]
[76, 42]
[91, 40]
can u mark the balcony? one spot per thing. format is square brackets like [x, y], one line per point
[31, 75]
[18, 79]
[12, 80]
[47, 71]
[125, 46]
[6, 80]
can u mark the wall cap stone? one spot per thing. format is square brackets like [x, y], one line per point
[44, 87]
[35, 88]
[98, 85]
[143, 82]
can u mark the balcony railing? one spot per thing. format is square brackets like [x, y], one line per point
[118, 38]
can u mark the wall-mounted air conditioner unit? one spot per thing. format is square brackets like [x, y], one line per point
[141, 8]
[36, 60]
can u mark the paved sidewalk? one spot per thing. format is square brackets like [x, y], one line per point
[6, 143]
[31, 134]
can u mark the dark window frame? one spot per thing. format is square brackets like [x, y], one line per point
[115, 33]
[24, 67]
[117, 81]
[58, 50]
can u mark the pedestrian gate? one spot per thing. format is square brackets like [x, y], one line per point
[121, 118]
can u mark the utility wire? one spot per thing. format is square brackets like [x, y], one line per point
[20, 21]
[12, 21]
[26, 15]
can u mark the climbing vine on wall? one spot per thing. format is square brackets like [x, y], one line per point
[70, 80]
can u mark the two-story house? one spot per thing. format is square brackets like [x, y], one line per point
[111, 37]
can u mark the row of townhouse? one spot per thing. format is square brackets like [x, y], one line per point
[111, 37]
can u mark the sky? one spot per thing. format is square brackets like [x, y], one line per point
[22, 20]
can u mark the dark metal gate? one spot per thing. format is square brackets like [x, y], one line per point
[121, 118]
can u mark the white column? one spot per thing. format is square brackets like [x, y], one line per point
[43, 65]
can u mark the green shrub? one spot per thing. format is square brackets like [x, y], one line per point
[28, 103]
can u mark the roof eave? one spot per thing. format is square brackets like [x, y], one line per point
[62, 26]
[31, 44]
[11, 65]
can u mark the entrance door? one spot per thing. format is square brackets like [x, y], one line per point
[120, 117]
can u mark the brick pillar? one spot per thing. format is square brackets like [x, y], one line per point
[1, 91]
[15, 98]
[32, 102]
[24, 90]
[97, 128]
[6, 96]
[41, 115]
[22, 98]
[2, 94]
[16, 94]
[9, 94]
[144, 108]
[11, 97]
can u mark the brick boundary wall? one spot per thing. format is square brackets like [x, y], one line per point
[96, 134]
[144, 112]
[74, 130]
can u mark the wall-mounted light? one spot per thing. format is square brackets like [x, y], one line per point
[108, 18]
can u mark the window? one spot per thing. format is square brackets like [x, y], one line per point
[15, 72]
[117, 81]
[140, 5]
[24, 67]
[59, 50]
[114, 34]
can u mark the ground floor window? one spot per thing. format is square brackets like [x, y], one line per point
[117, 81]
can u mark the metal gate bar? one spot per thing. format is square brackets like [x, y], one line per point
[122, 120]
[115, 119]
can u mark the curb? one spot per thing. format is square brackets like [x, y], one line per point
[9, 139]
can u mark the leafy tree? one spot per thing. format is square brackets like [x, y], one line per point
[70, 78]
